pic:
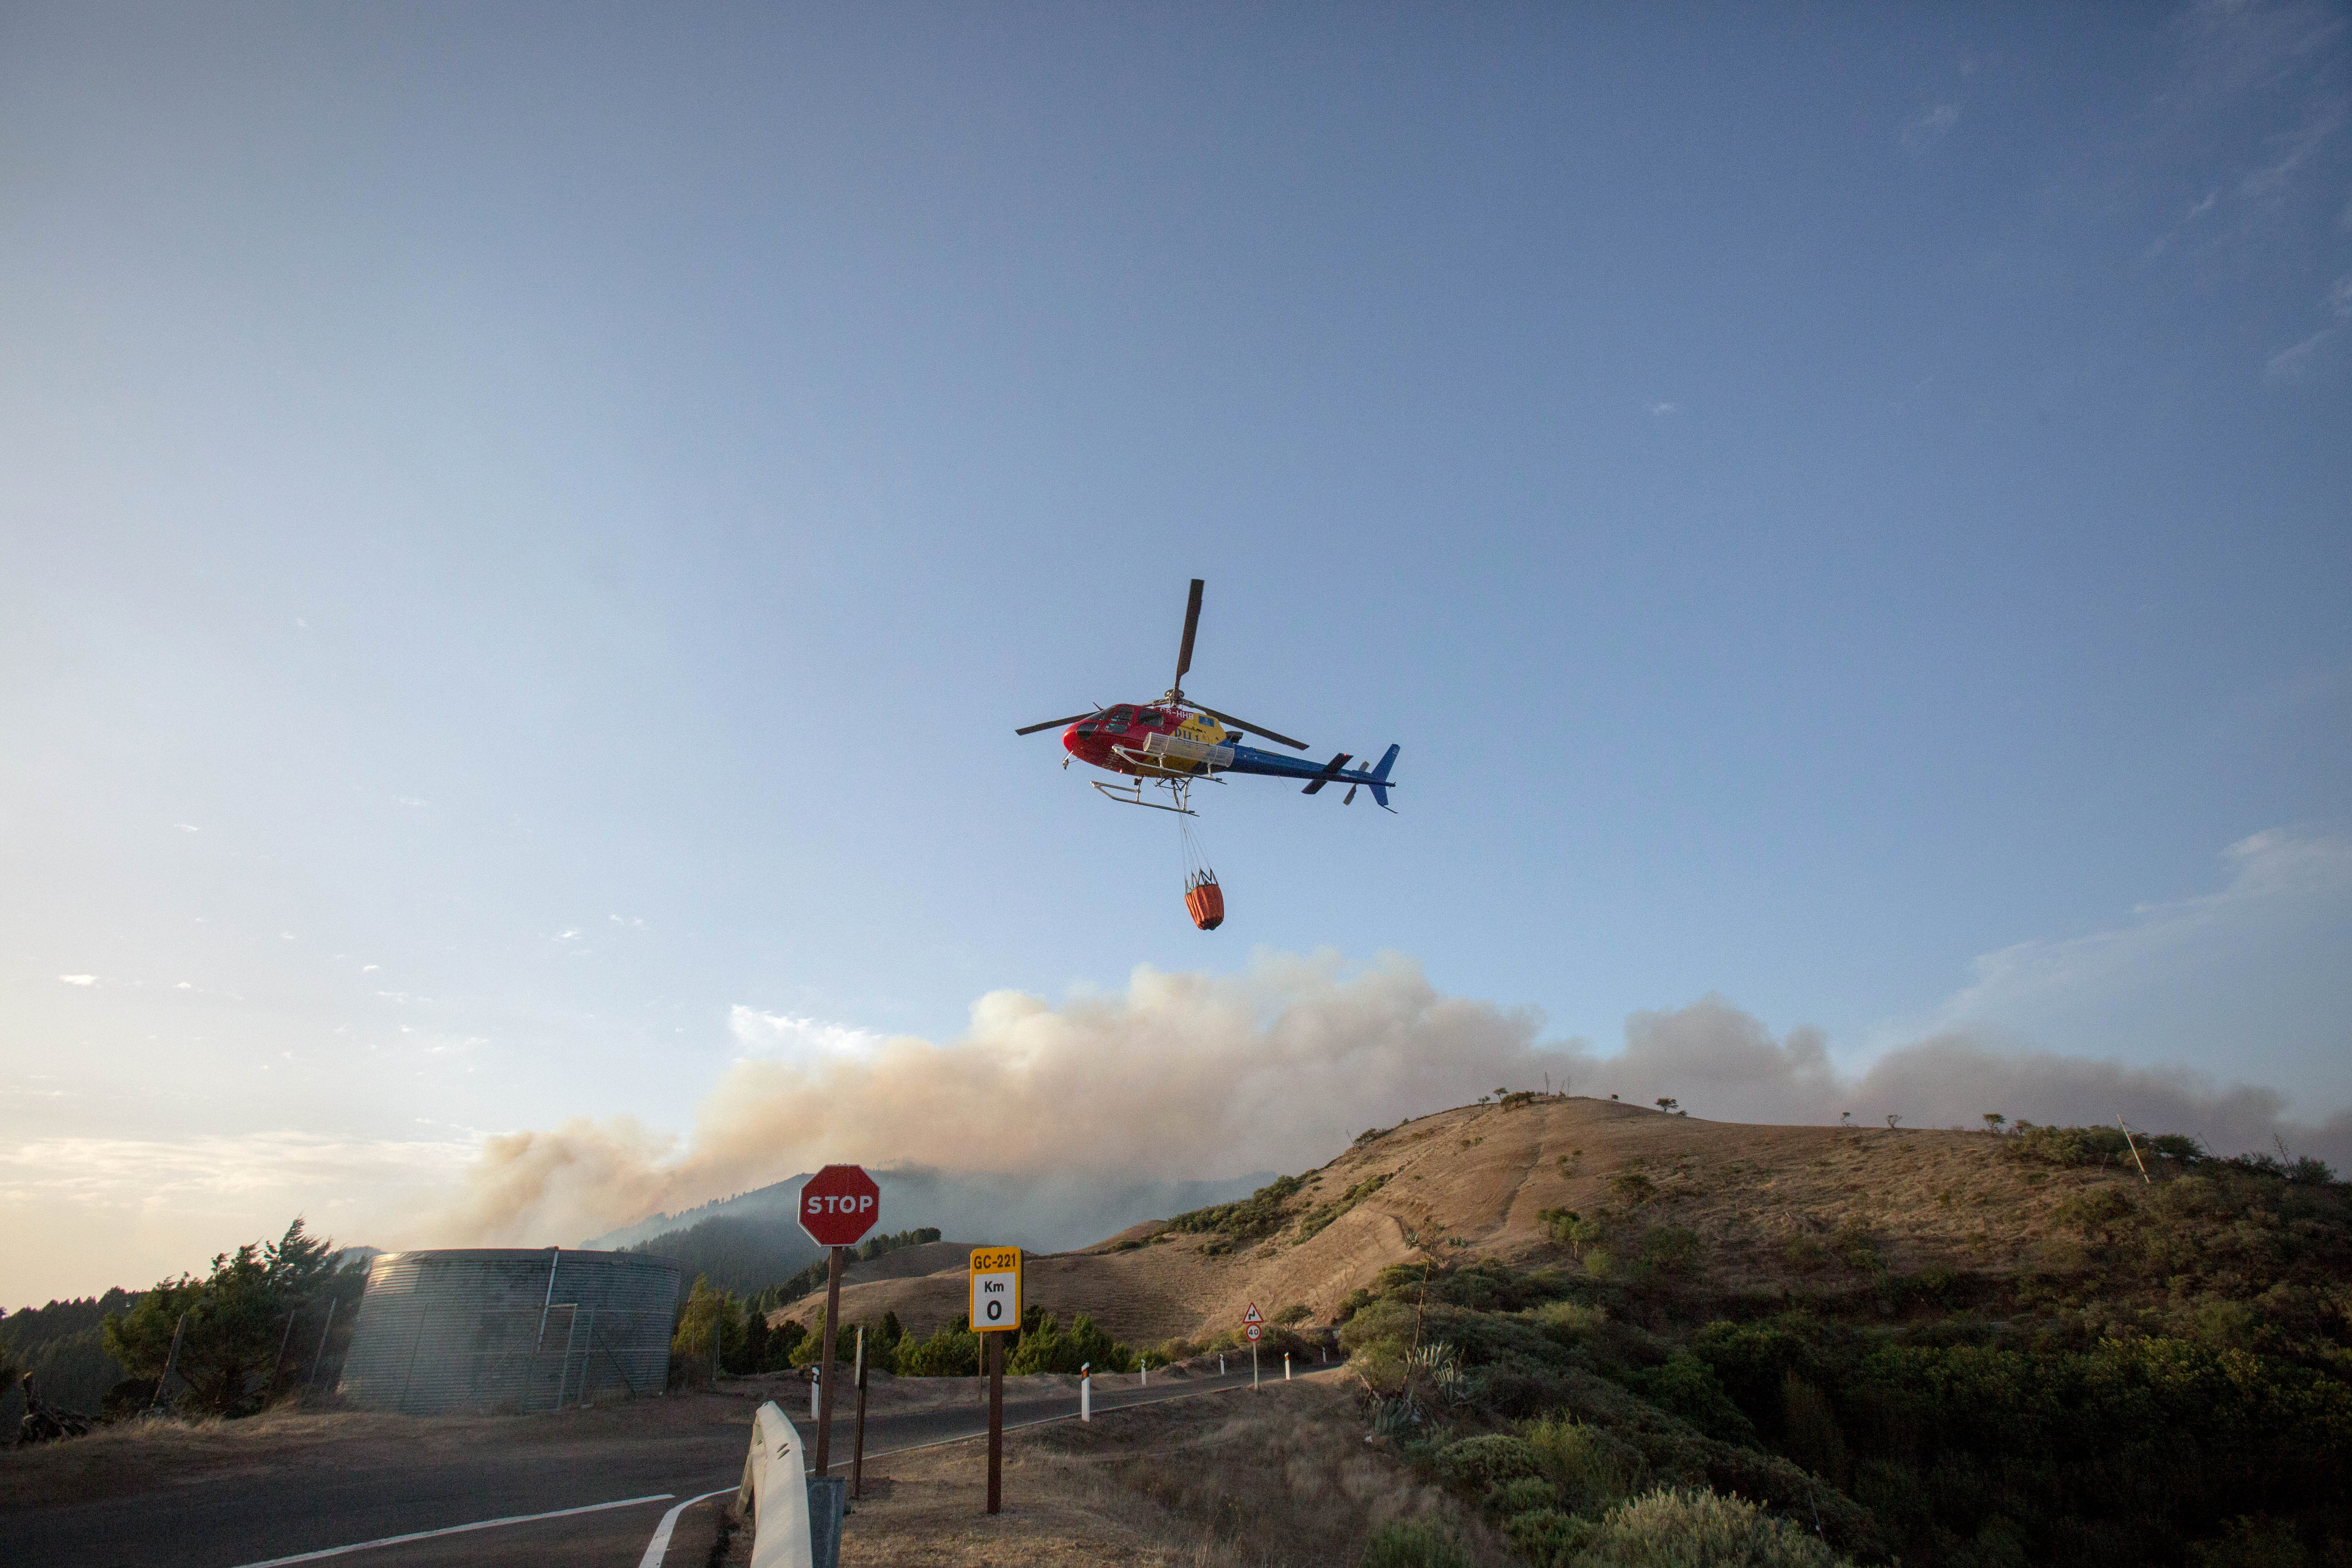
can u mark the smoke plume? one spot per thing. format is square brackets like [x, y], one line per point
[1189, 1077]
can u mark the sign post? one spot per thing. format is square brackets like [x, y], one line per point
[858, 1443]
[1253, 1327]
[839, 1204]
[995, 1312]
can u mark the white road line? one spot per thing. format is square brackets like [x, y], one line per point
[455, 1530]
[660, 1542]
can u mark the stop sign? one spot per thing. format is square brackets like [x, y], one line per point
[839, 1204]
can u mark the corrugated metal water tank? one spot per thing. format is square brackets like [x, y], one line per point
[497, 1329]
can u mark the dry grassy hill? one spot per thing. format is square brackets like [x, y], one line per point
[1769, 1206]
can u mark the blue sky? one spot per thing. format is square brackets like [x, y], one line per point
[530, 529]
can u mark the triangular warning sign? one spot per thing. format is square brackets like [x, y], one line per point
[1251, 1316]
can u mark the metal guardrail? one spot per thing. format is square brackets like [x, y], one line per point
[795, 1517]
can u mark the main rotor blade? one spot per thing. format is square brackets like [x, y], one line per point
[1254, 729]
[1192, 625]
[1058, 723]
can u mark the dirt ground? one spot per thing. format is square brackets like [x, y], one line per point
[1231, 1480]
[1771, 1206]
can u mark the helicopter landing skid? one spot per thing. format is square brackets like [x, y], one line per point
[1133, 795]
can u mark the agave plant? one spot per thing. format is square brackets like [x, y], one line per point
[1439, 1368]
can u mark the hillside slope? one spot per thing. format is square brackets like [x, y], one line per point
[1766, 1207]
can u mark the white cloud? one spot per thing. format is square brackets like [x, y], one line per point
[187, 827]
[1662, 409]
[2265, 867]
[2293, 363]
[2297, 148]
[78, 979]
[571, 935]
[1931, 126]
[2242, 974]
[783, 1035]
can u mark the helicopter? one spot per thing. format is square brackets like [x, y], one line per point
[1173, 743]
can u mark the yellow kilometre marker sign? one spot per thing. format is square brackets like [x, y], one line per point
[996, 1289]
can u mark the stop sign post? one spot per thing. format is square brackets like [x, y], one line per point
[838, 1206]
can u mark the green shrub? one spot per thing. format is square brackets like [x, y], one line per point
[1422, 1543]
[1571, 1229]
[1314, 1221]
[1475, 1464]
[1671, 1528]
[1047, 1348]
[2259, 1542]
[1260, 1214]
[2068, 1146]
[1525, 1495]
[1633, 1187]
[1670, 1249]
[1547, 1537]
[1570, 1323]
[952, 1351]
[1592, 1469]
[1688, 1387]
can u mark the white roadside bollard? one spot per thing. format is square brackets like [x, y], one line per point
[1221, 1363]
[816, 1377]
[1285, 1366]
[1086, 1391]
[1146, 1372]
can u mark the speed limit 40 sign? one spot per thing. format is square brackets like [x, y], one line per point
[996, 1289]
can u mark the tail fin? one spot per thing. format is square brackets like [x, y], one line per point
[1380, 780]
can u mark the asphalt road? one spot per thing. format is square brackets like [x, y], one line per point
[313, 1507]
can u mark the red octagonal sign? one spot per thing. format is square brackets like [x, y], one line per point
[839, 1204]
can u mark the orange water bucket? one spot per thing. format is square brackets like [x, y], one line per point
[1205, 902]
